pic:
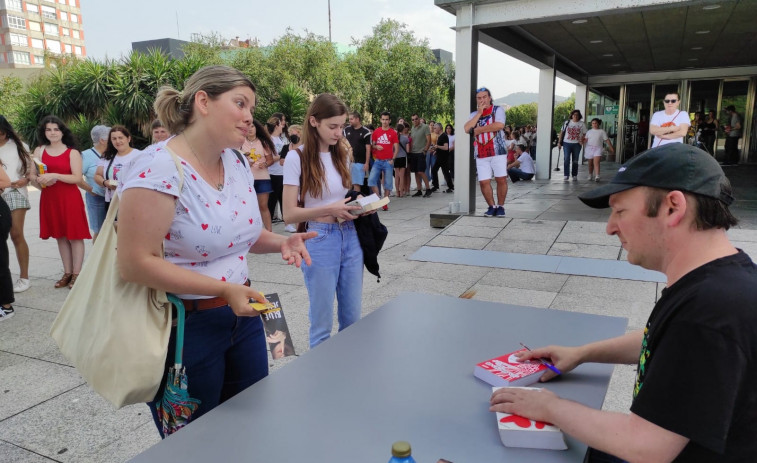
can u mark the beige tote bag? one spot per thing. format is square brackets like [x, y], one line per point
[115, 332]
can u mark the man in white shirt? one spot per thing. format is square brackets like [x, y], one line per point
[670, 125]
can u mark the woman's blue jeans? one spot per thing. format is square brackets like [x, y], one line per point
[96, 211]
[223, 355]
[336, 269]
[572, 150]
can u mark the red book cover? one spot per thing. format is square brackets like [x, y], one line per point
[506, 370]
[517, 431]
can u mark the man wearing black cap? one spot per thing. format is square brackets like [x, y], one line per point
[695, 397]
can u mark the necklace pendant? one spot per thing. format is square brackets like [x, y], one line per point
[219, 186]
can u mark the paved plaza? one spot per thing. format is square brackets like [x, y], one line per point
[48, 413]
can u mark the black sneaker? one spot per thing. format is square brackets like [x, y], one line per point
[436, 188]
[418, 194]
[428, 193]
[6, 313]
[449, 190]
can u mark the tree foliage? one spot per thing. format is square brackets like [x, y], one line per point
[524, 114]
[11, 90]
[387, 70]
[562, 112]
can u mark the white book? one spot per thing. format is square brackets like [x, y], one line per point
[517, 431]
[367, 204]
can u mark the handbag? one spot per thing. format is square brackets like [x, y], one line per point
[113, 331]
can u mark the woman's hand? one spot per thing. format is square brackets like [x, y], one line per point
[20, 183]
[260, 164]
[47, 179]
[293, 250]
[238, 297]
[341, 210]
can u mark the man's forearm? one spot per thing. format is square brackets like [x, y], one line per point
[622, 349]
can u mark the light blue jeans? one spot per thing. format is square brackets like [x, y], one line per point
[336, 268]
[382, 165]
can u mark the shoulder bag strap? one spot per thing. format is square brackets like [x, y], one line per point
[110, 163]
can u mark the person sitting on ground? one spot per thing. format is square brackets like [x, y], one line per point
[523, 167]
[695, 397]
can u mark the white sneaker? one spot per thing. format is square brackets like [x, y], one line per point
[6, 313]
[575, 179]
[21, 285]
[290, 228]
[597, 179]
[591, 177]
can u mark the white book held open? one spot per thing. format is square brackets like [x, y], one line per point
[367, 204]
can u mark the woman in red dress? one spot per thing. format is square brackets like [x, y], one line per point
[61, 208]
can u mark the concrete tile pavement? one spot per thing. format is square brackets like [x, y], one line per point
[48, 413]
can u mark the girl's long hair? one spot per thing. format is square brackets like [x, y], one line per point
[323, 107]
[264, 137]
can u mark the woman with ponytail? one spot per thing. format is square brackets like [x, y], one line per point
[193, 240]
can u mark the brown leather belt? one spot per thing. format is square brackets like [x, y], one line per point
[192, 305]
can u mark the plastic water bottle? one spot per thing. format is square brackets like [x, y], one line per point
[401, 453]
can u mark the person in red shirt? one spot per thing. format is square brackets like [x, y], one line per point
[384, 147]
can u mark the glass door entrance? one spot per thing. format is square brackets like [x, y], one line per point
[730, 144]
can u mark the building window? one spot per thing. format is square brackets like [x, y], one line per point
[48, 12]
[65, 31]
[63, 16]
[16, 22]
[74, 18]
[35, 26]
[20, 57]
[51, 29]
[13, 5]
[53, 46]
[72, 2]
[19, 39]
[77, 50]
[39, 59]
[38, 43]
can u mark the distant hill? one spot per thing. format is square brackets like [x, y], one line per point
[519, 98]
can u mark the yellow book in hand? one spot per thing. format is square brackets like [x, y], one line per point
[41, 169]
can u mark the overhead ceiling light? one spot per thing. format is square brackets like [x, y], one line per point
[596, 41]
[702, 32]
[711, 7]
[616, 65]
[580, 21]
[609, 55]
[693, 59]
[696, 48]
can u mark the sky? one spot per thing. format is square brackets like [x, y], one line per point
[111, 26]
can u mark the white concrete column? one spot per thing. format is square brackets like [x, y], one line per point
[582, 94]
[466, 74]
[544, 123]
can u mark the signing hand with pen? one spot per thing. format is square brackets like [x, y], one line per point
[563, 358]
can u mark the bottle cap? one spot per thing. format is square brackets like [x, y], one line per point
[401, 449]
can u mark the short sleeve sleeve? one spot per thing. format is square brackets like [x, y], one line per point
[154, 170]
[292, 168]
[683, 118]
[367, 136]
[499, 115]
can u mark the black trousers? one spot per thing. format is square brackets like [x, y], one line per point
[277, 182]
[442, 162]
[6, 282]
[732, 150]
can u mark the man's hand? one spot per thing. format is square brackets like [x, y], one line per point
[564, 359]
[482, 105]
[530, 404]
[293, 250]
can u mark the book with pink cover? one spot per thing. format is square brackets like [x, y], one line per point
[517, 431]
[506, 370]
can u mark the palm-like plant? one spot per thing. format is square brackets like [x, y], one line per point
[293, 102]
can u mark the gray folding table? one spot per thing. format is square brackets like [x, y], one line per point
[404, 372]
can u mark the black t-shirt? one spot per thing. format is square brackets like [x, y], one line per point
[358, 138]
[443, 138]
[697, 372]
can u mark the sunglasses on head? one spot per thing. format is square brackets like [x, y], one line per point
[482, 89]
[670, 101]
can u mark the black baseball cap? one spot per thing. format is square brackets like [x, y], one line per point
[674, 166]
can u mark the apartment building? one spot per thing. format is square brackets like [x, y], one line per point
[29, 28]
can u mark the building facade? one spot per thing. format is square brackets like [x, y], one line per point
[623, 56]
[30, 28]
